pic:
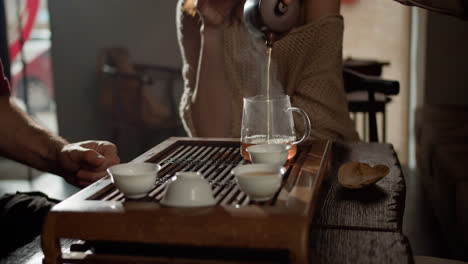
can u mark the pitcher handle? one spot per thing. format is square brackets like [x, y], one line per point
[306, 123]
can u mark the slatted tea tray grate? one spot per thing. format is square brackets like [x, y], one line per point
[101, 213]
[214, 162]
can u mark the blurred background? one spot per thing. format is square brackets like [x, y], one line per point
[60, 71]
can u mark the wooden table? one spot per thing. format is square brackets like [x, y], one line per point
[362, 226]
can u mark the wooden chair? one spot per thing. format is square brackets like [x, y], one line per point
[369, 94]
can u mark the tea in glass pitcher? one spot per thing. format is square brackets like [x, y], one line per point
[270, 121]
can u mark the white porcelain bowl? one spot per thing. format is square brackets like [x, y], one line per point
[134, 180]
[269, 153]
[188, 189]
[259, 181]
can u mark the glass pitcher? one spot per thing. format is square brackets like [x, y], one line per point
[270, 122]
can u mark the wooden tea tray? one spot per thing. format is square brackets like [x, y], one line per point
[100, 215]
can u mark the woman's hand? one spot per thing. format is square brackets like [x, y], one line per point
[85, 162]
[214, 12]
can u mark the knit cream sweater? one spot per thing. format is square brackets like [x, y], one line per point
[307, 66]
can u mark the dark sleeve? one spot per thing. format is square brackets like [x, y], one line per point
[4, 84]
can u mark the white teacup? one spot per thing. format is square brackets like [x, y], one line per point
[188, 189]
[134, 180]
[259, 181]
[269, 153]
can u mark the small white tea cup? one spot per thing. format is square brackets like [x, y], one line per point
[259, 181]
[188, 189]
[269, 153]
[134, 180]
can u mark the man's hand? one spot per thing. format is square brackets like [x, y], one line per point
[85, 162]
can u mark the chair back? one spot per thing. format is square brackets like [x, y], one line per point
[362, 91]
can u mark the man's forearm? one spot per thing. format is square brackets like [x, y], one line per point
[23, 140]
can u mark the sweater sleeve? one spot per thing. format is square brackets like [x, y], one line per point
[315, 68]
[188, 34]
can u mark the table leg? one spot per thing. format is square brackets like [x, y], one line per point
[50, 243]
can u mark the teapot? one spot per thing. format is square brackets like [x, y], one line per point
[270, 19]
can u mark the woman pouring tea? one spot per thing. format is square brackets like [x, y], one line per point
[221, 66]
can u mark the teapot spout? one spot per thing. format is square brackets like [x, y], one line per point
[269, 39]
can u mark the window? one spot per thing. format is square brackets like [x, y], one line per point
[29, 49]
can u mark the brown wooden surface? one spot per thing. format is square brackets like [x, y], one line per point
[361, 226]
[378, 207]
[348, 230]
[327, 245]
[282, 224]
[359, 246]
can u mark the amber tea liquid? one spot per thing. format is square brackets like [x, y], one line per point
[268, 93]
[268, 138]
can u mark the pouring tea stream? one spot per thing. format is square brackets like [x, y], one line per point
[270, 20]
